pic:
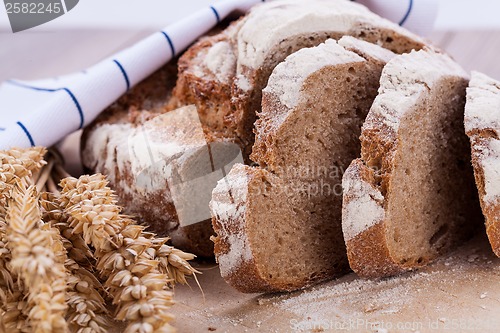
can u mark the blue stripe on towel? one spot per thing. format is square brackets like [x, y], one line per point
[77, 104]
[410, 7]
[80, 111]
[2, 129]
[216, 14]
[172, 48]
[25, 130]
[123, 72]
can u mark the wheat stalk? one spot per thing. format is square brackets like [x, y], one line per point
[38, 259]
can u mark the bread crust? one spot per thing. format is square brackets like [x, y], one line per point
[480, 140]
[367, 251]
[198, 86]
[244, 275]
[481, 123]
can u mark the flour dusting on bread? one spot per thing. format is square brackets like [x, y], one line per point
[363, 207]
[227, 206]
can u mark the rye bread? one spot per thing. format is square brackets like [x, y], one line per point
[411, 196]
[223, 75]
[306, 135]
[482, 125]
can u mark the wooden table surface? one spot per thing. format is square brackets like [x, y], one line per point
[460, 289]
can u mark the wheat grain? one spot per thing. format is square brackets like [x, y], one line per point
[87, 311]
[173, 262]
[15, 316]
[75, 245]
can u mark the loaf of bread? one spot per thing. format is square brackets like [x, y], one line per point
[222, 75]
[278, 226]
[482, 124]
[411, 196]
[114, 146]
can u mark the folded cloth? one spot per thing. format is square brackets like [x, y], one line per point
[45, 111]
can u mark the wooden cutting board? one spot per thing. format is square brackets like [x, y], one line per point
[458, 293]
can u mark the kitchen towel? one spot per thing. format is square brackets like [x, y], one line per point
[43, 112]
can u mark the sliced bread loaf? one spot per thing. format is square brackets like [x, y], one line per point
[278, 225]
[411, 196]
[223, 75]
[482, 124]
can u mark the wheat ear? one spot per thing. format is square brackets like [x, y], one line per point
[38, 259]
[14, 310]
[18, 164]
[87, 311]
[140, 292]
[173, 262]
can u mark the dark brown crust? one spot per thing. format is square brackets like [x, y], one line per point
[211, 97]
[372, 241]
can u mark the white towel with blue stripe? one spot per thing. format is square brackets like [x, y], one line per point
[45, 111]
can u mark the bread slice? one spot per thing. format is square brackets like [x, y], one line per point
[224, 75]
[411, 196]
[482, 124]
[307, 134]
